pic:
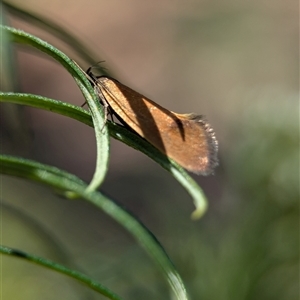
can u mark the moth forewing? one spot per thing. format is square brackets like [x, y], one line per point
[186, 138]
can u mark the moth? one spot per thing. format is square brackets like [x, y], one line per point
[186, 138]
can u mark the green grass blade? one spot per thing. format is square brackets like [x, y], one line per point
[61, 269]
[179, 173]
[101, 132]
[48, 104]
[120, 133]
[64, 181]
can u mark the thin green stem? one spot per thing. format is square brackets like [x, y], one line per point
[61, 269]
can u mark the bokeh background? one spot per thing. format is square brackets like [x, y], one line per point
[236, 62]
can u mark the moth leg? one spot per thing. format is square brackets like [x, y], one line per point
[106, 110]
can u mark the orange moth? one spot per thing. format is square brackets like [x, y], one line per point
[186, 138]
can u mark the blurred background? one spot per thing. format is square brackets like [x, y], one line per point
[236, 62]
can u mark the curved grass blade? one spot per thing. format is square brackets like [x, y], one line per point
[101, 132]
[64, 181]
[120, 133]
[61, 269]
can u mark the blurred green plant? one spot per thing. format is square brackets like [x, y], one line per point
[265, 171]
[251, 243]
